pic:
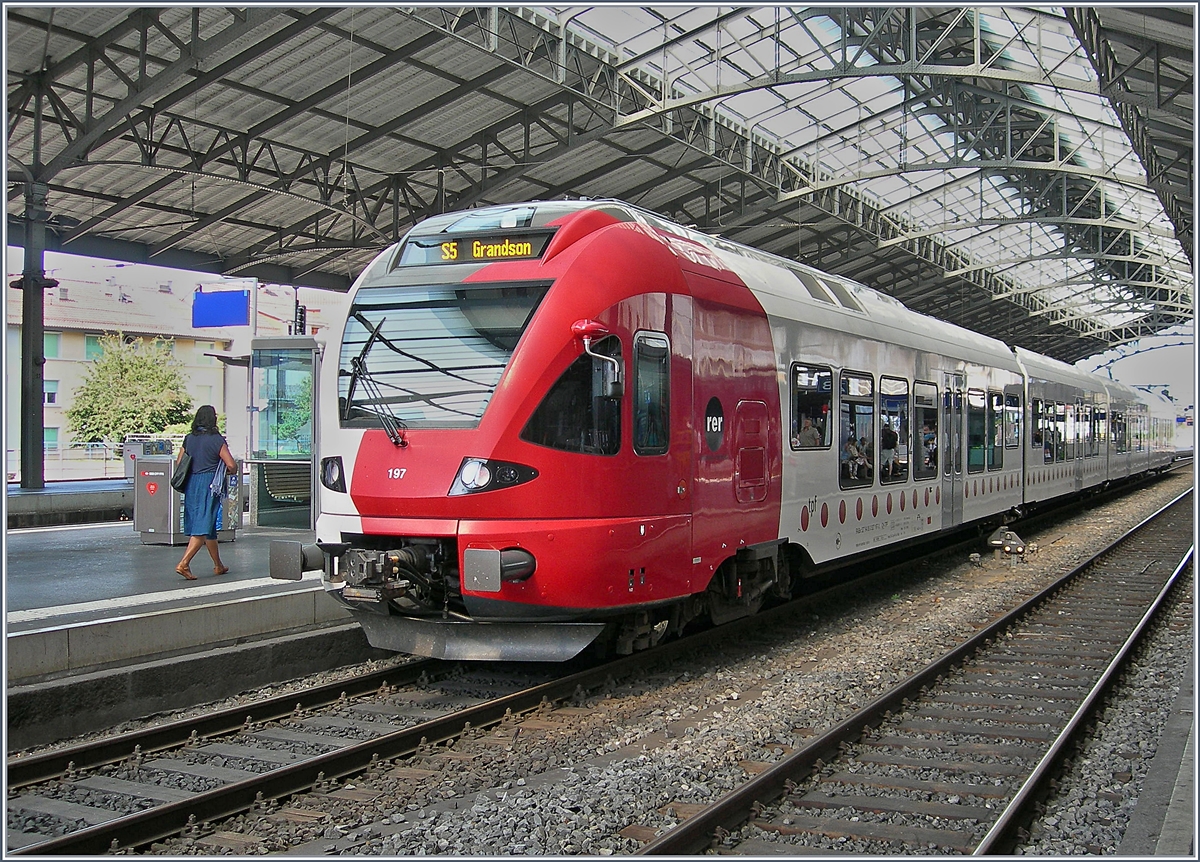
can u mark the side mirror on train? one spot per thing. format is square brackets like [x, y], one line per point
[611, 383]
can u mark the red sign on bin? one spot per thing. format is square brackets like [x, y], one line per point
[152, 487]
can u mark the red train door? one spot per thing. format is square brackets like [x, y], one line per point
[750, 436]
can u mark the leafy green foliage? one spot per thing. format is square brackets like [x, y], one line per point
[134, 388]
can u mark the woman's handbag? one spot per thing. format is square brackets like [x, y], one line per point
[183, 469]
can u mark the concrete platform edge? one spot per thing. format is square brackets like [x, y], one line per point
[1163, 823]
[42, 713]
[93, 645]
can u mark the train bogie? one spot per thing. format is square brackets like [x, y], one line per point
[560, 424]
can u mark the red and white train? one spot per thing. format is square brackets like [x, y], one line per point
[561, 423]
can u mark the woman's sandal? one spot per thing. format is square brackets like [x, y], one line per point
[221, 570]
[185, 571]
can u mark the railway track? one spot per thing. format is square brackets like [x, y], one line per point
[954, 758]
[136, 789]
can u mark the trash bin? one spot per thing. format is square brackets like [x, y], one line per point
[132, 450]
[158, 508]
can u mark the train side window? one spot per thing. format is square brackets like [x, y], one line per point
[1070, 432]
[856, 430]
[1085, 431]
[1060, 431]
[1100, 424]
[1118, 433]
[651, 393]
[976, 430]
[895, 433]
[576, 415]
[995, 430]
[812, 400]
[925, 419]
[1036, 437]
[1012, 421]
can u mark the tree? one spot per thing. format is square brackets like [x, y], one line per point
[135, 387]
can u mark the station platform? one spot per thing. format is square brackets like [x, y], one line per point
[70, 502]
[89, 596]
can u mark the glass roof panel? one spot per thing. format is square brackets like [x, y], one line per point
[857, 129]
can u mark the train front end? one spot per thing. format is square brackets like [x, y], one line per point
[445, 525]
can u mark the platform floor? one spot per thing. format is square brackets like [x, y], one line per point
[69, 574]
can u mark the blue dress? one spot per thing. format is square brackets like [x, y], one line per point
[200, 506]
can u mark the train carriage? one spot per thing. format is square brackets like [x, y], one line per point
[566, 423]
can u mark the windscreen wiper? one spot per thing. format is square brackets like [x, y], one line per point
[359, 373]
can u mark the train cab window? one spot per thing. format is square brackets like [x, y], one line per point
[976, 430]
[925, 446]
[812, 401]
[651, 393]
[895, 434]
[856, 430]
[577, 414]
[1012, 421]
[995, 430]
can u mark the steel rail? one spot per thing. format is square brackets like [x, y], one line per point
[695, 834]
[35, 768]
[1002, 837]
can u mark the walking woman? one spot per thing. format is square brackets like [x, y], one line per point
[207, 448]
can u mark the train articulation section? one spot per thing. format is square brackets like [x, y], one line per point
[555, 424]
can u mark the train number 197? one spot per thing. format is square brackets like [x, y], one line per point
[397, 472]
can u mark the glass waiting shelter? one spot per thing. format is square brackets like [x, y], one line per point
[283, 384]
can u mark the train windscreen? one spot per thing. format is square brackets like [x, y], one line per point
[429, 356]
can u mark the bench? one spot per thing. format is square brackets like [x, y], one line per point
[291, 482]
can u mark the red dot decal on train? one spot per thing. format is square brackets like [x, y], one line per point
[842, 511]
[874, 505]
[858, 508]
[937, 496]
[903, 497]
[926, 497]
[804, 519]
[889, 502]
[915, 497]
[824, 514]
[975, 489]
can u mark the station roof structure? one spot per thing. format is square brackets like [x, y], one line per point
[1027, 172]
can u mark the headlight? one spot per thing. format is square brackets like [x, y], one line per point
[480, 474]
[332, 474]
[475, 475]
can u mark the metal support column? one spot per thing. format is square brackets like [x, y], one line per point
[33, 282]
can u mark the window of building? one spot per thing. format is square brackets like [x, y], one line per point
[51, 344]
[995, 431]
[651, 393]
[895, 433]
[1012, 421]
[812, 399]
[925, 408]
[49, 391]
[202, 348]
[92, 350]
[50, 439]
[856, 430]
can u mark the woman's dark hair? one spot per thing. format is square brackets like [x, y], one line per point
[205, 421]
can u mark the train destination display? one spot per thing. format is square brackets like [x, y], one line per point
[475, 249]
